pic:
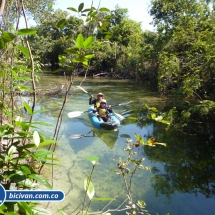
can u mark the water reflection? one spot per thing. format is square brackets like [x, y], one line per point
[180, 171]
[189, 165]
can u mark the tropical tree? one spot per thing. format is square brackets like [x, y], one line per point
[186, 62]
[53, 36]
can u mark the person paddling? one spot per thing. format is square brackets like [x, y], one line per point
[102, 111]
[94, 101]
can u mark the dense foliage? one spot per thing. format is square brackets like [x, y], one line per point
[177, 59]
[186, 61]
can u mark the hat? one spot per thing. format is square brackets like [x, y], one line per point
[103, 101]
[100, 94]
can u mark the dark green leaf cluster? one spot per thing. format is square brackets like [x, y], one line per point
[186, 59]
[22, 155]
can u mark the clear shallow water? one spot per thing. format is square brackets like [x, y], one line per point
[182, 173]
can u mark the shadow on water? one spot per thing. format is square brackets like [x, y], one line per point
[107, 137]
[88, 136]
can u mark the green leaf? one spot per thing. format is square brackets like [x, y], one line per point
[1, 211]
[141, 204]
[2, 207]
[27, 31]
[88, 42]
[77, 60]
[104, 27]
[61, 23]
[147, 106]
[36, 138]
[68, 37]
[62, 60]
[153, 115]
[94, 15]
[2, 74]
[107, 17]
[22, 87]
[7, 36]
[24, 126]
[25, 169]
[70, 68]
[72, 9]
[79, 41]
[27, 146]
[21, 68]
[42, 153]
[87, 10]
[24, 50]
[24, 207]
[71, 51]
[47, 142]
[163, 144]
[153, 109]
[104, 199]
[41, 180]
[132, 118]
[88, 186]
[104, 9]
[93, 159]
[89, 56]
[14, 74]
[41, 123]
[2, 44]
[62, 212]
[11, 150]
[27, 107]
[25, 78]
[164, 121]
[137, 136]
[107, 37]
[85, 63]
[80, 7]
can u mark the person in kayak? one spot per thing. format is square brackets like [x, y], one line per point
[96, 102]
[103, 111]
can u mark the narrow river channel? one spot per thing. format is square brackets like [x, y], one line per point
[181, 178]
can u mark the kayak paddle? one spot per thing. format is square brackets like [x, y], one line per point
[81, 88]
[118, 116]
[74, 114]
[78, 136]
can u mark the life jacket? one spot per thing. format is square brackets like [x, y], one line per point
[102, 112]
[97, 104]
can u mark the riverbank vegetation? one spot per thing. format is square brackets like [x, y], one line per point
[177, 59]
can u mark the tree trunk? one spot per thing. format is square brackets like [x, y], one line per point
[2, 3]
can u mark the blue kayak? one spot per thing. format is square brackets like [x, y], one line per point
[111, 125]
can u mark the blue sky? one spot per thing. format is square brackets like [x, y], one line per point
[137, 9]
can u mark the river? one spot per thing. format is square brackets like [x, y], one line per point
[181, 176]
